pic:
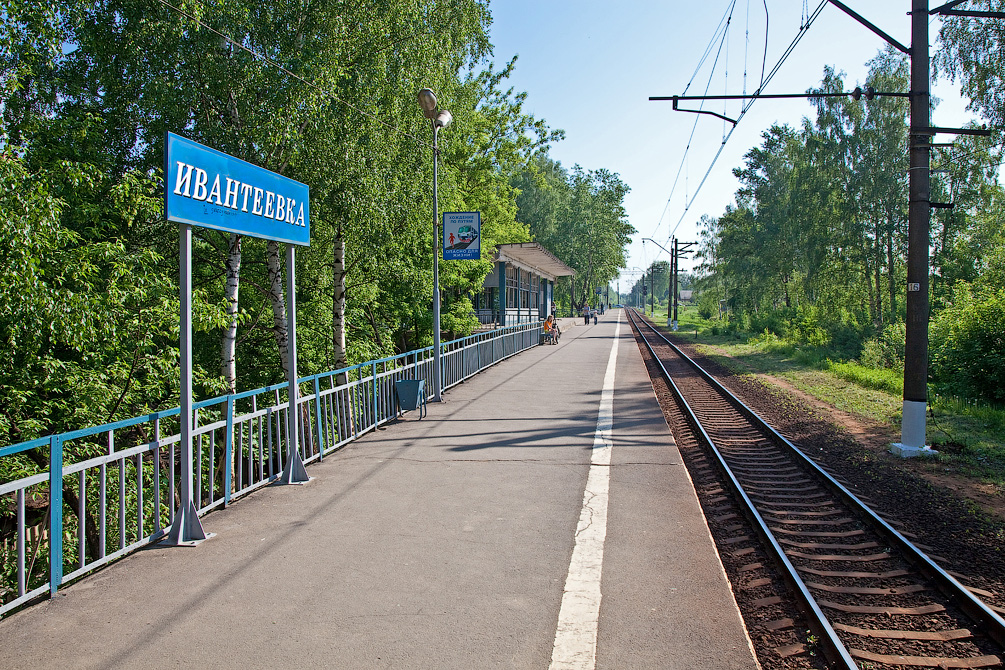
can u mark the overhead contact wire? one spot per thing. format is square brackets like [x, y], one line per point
[788, 52]
[721, 28]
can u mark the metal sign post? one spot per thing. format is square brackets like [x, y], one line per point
[294, 471]
[186, 529]
[204, 187]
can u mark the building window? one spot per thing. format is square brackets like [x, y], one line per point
[512, 286]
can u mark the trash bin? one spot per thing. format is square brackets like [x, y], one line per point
[411, 394]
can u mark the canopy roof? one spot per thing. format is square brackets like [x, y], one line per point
[532, 256]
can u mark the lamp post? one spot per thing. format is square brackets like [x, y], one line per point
[438, 119]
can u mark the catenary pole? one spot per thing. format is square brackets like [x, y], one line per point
[676, 269]
[652, 292]
[912, 437]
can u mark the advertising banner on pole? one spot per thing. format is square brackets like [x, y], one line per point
[208, 188]
[462, 236]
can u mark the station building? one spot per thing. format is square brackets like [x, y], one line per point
[521, 288]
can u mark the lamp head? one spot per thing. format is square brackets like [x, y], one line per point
[443, 119]
[427, 101]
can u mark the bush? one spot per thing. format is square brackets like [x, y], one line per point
[846, 339]
[807, 330]
[968, 344]
[769, 339]
[886, 350]
[708, 306]
[768, 322]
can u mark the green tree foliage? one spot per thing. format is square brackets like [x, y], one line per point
[90, 321]
[579, 215]
[971, 52]
[819, 214]
[815, 247]
[322, 92]
[968, 343]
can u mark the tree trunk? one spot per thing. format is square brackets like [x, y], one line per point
[891, 276]
[344, 406]
[277, 298]
[877, 318]
[229, 349]
[70, 500]
[338, 306]
[371, 317]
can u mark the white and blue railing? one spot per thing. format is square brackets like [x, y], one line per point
[122, 490]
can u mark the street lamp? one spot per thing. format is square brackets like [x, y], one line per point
[438, 119]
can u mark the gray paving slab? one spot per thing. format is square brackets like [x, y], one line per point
[434, 543]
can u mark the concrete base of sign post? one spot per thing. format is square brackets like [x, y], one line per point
[294, 472]
[186, 529]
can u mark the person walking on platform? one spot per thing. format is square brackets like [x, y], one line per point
[586, 315]
[594, 317]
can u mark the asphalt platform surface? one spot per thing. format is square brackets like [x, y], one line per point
[436, 543]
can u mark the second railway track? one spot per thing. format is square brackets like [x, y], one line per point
[869, 597]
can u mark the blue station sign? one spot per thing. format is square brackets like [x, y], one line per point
[205, 187]
[462, 236]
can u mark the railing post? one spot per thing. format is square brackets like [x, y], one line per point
[317, 419]
[355, 399]
[228, 455]
[375, 395]
[55, 513]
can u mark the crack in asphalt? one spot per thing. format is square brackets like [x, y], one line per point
[587, 507]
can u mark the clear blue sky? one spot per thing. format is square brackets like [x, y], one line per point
[589, 68]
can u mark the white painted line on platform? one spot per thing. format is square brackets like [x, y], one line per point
[576, 636]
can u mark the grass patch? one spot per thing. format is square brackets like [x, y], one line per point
[890, 381]
[820, 383]
[970, 435]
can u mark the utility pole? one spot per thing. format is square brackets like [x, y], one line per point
[678, 249]
[912, 427]
[676, 269]
[652, 292]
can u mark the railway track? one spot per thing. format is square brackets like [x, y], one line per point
[869, 596]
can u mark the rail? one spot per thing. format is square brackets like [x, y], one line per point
[991, 624]
[121, 491]
[837, 653]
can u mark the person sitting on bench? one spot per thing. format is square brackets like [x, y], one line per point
[551, 330]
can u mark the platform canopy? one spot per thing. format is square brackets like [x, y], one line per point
[532, 256]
